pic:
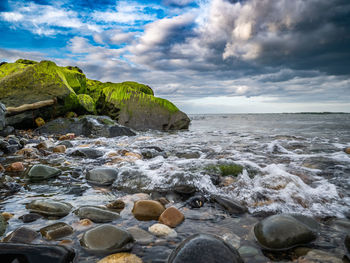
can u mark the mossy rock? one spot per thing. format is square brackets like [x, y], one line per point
[229, 169]
[87, 102]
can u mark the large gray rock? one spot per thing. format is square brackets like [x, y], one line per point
[41, 172]
[2, 116]
[96, 214]
[88, 125]
[207, 248]
[102, 176]
[284, 231]
[107, 239]
[49, 207]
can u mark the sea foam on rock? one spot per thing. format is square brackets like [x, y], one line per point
[284, 231]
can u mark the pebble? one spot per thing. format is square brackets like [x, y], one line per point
[68, 136]
[316, 256]
[21, 235]
[171, 217]
[56, 231]
[117, 205]
[87, 153]
[230, 206]
[59, 149]
[121, 258]
[107, 239]
[49, 207]
[102, 176]
[28, 218]
[347, 150]
[141, 236]
[15, 167]
[96, 214]
[7, 215]
[147, 210]
[162, 230]
[41, 172]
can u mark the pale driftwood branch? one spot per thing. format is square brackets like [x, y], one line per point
[25, 107]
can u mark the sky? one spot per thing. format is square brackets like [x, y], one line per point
[206, 56]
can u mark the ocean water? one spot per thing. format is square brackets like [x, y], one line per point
[293, 163]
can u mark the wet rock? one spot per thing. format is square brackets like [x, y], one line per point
[107, 239]
[15, 167]
[342, 225]
[87, 153]
[96, 214]
[2, 116]
[188, 155]
[68, 136]
[7, 215]
[141, 236]
[59, 149]
[196, 201]
[162, 230]
[34, 253]
[230, 206]
[49, 207]
[56, 231]
[347, 150]
[67, 144]
[27, 218]
[284, 231]
[102, 176]
[121, 258]
[147, 210]
[347, 245]
[8, 148]
[200, 248]
[152, 152]
[21, 235]
[3, 225]
[248, 251]
[7, 131]
[171, 217]
[316, 256]
[117, 205]
[88, 125]
[41, 172]
[185, 189]
[232, 239]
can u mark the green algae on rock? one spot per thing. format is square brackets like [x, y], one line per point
[130, 103]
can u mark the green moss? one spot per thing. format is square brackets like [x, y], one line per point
[87, 102]
[9, 68]
[231, 169]
[26, 61]
[138, 87]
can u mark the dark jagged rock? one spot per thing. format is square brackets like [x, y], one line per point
[102, 176]
[207, 248]
[196, 201]
[30, 253]
[229, 205]
[284, 231]
[88, 125]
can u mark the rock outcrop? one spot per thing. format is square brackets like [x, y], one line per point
[129, 103]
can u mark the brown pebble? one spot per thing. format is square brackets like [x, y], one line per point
[171, 217]
[347, 150]
[121, 258]
[66, 242]
[59, 149]
[7, 215]
[68, 136]
[15, 167]
[163, 201]
[85, 222]
[116, 205]
[39, 122]
[2, 169]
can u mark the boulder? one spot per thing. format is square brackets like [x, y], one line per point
[87, 125]
[284, 231]
[49, 207]
[2, 116]
[207, 248]
[41, 172]
[102, 176]
[147, 210]
[96, 214]
[107, 239]
[171, 217]
[134, 105]
[33, 253]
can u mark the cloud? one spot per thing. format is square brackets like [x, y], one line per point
[11, 55]
[114, 37]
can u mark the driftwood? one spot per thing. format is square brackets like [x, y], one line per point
[26, 107]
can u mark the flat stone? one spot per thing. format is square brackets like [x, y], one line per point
[107, 239]
[171, 217]
[56, 231]
[41, 172]
[147, 210]
[162, 230]
[121, 258]
[102, 176]
[28, 218]
[87, 153]
[141, 236]
[34, 253]
[284, 231]
[201, 248]
[49, 207]
[21, 235]
[229, 205]
[96, 214]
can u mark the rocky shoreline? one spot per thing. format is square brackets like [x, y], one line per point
[130, 227]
